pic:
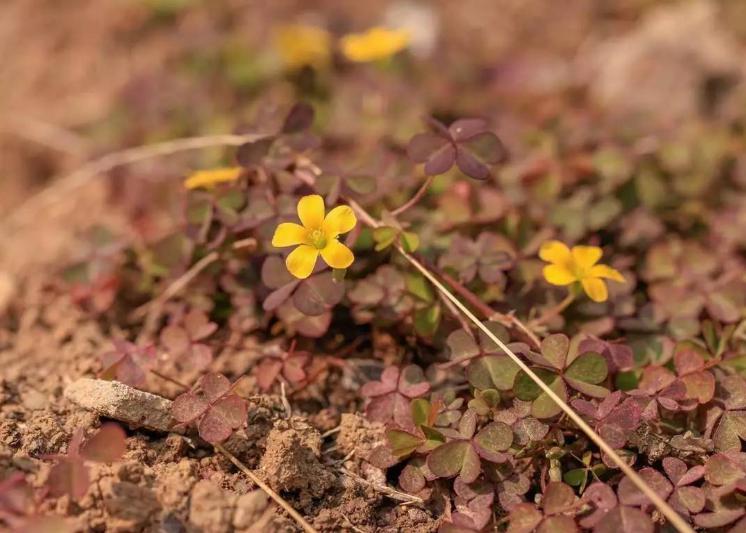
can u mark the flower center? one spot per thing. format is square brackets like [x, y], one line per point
[318, 239]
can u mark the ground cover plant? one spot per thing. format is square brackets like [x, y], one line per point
[387, 306]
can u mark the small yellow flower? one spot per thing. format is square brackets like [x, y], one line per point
[210, 178]
[317, 235]
[374, 44]
[578, 265]
[301, 46]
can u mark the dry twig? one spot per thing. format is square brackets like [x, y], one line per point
[384, 489]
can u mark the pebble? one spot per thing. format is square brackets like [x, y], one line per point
[121, 402]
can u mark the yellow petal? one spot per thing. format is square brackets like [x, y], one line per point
[341, 219]
[586, 256]
[300, 45]
[555, 252]
[374, 44]
[337, 255]
[558, 275]
[604, 271]
[311, 211]
[301, 261]
[595, 288]
[289, 234]
[209, 178]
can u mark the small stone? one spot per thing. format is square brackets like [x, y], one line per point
[211, 508]
[249, 509]
[122, 402]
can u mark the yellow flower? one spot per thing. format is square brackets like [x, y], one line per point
[317, 235]
[301, 46]
[578, 265]
[210, 178]
[374, 44]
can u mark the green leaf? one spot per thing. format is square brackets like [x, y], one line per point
[419, 287]
[384, 237]
[410, 241]
[420, 408]
[402, 443]
[575, 477]
[544, 406]
[626, 380]
[492, 371]
[554, 349]
[433, 439]
[589, 367]
[499, 331]
[492, 439]
[526, 389]
[448, 459]
[737, 364]
[427, 320]
[361, 184]
[462, 346]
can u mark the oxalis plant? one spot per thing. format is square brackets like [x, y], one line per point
[525, 383]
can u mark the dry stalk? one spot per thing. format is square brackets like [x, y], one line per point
[676, 520]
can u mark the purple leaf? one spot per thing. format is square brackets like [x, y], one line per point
[466, 128]
[440, 160]
[107, 445]
[188, 407]
[470, 165]
[423, 145]
[175, 339]
[625, 520]
[492, 439]
[69, 477]
[299, 118]
[412, 383]
[447, 460]
[558, 498]
[252, 154]
[214, 386]
[629, 494]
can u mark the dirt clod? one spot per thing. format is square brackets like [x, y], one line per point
[291, 461]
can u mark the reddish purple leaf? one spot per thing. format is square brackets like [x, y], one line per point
[629, 494]
[558, 498]
[198, 325]
[68, 477]
[625, 520]
[524, 518]
[214, 386]
[107, 445]
[412, 382]
[188, 407]
[466, 128]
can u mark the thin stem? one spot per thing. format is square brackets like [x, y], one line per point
[414, 199]
[486, 310]
[164, 377]
[554, 311]
[67, 184]
[386, 490]
[152, 309]
[308, 528]
[676, 520]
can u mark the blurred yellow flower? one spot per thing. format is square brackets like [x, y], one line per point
[374, 44]
[317, 235]
[301, 46]
[578, 265]
[210, 178]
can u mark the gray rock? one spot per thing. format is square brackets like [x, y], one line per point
[116, 400]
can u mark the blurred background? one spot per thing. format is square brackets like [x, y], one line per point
[81, 78]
